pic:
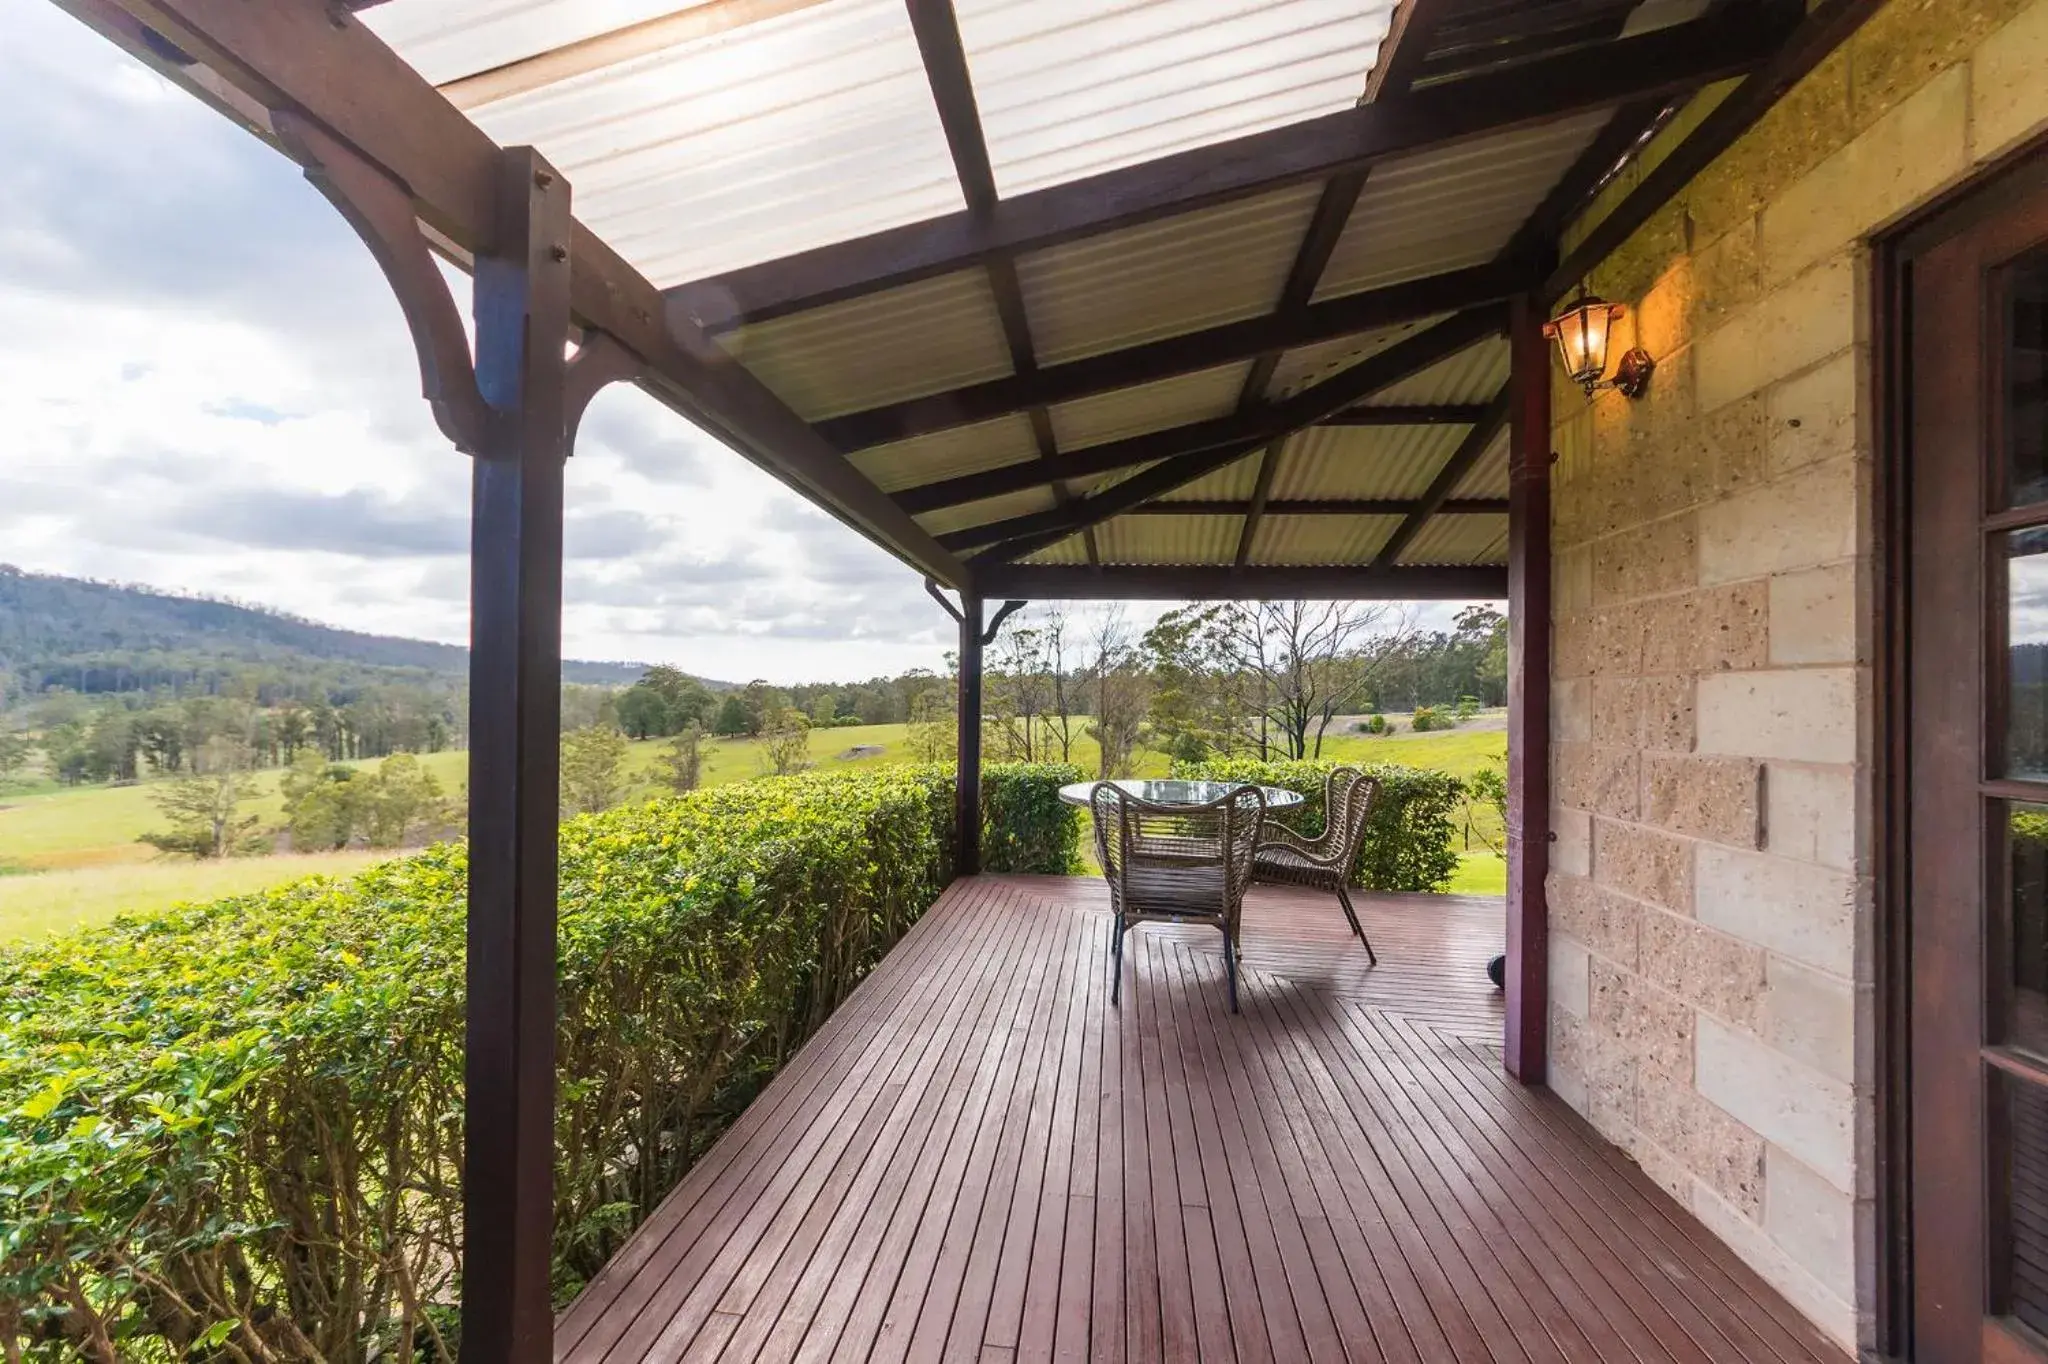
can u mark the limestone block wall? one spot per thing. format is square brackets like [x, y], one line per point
[1712, 724]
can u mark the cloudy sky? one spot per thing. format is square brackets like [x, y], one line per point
[205, 386]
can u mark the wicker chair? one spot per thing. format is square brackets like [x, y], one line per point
[1324, 861]
[1177, 864]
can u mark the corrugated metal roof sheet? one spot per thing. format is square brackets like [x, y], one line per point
[947, 454]
[1176, 275]
[1071, 88]
[1474, 375]
[1149, 407]
[1446, 209]
[1489, 477]
[1321, 540]
[757, 142]
[1072, 550]
[1326, 462]
[446, 40]
[1459, 540]
[880, 348]
[1300, 368]
[1232, 483]
[1174, 540]
[987, 510]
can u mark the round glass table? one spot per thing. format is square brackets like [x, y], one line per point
[1177, 792]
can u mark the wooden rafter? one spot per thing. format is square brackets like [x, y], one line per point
[307, 57]
[1228, 343]
[1355, 506]
[1400, 56]
[1623, 135]
[1669, 61]
[1807, 45]
[1468, 453]
[1057, 582]
[1242, 431]
[937, 29]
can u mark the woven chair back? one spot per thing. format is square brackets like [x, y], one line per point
[1191, 861]
[1348, 799]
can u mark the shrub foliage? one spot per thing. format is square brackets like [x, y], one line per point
[234, 1131]
[1407, 843]
[1025, 828]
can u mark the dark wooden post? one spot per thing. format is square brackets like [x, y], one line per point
[515, 681]
[1525, 1048]
[967, 784]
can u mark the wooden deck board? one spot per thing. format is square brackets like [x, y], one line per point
[979, 1159]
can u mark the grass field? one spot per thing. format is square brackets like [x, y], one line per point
[73, 856]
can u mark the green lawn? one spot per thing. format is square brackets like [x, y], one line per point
[75, 857]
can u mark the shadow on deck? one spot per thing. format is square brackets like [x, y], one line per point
[977, 1158]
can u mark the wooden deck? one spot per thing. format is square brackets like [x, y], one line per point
[978, 1159]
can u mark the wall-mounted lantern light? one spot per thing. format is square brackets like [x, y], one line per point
[1582, 331]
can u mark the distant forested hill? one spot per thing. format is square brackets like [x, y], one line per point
[95, 637]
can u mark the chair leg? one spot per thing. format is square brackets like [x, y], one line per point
[1230, 968]
[1116, 950]
[1344, 899]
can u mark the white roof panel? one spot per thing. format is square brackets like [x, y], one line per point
[1072, 88]
[1459, 540]
[1149, 407]
[948, 454]
[1327, 463]
[1168, 539]
[1320, 540]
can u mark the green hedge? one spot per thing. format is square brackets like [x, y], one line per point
[1407, 844]
[1025, 828]
[232, 1131]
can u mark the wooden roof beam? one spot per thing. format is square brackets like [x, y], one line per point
[1257, 582]
[1245, 429]
[321, 63]
[1432, 502]
[1188, 353]
[1668, 61]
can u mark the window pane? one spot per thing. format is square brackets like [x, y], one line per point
[2026, 1201]
[2025, 414]
[2027, 894]
[2026, 606]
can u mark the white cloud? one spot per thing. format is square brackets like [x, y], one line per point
[208, 387]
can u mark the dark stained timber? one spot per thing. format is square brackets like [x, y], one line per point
[1255, 582]
[1453, 473]
[1668, 61]
[1525, 1050]
[1469, 506]
[522, 314]
[967, 776]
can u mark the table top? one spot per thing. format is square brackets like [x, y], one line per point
[1177, 792]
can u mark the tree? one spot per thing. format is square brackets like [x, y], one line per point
[662, 702]
[787, 741]
[14, 752]
[682, 766]
[401, 800]
[322, 802]
[205, 809]
[1119, 692]
[732, 720]
[932, 739]
[592, 759]
[1023, 691]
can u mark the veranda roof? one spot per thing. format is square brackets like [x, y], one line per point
[1055, 294]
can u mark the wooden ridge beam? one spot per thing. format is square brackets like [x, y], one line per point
[319, 62]
[1807, 45]
[1240, 430]
[1255, 582]
[1228, 343]
[1356, 506]
[1453, 473]
[1665, 62]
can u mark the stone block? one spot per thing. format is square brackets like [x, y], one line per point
[1713, 798]
[1649, 1027]
[1802, 715]
[1719, 1151]
[1605, 923]
[1618, 634]
[1817, 616]
[1811, 814]
[1895, 163]
[1615, 715]
[1805, 520]
[1571, 710]
[1569, 982]
[1645, 561]
[1813, 1221]
[1602, 780]
[1792, 137]
[1732, 441]
[1705, 968]
[1834, 1316]
[1571, 646]
[1789, 329]
[1814, 417]
[1571, 847]
[1790, 1105]
[1811, 1016]
[1571, 581]
[1644, 864]
[1796, 909]
[1728, 275]
[1906, 43]
[1668, 713]
[2008, 97]
[1707, 631]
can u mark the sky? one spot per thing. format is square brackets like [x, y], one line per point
[205, 386]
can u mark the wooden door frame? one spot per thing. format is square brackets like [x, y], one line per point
[1990, 191]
